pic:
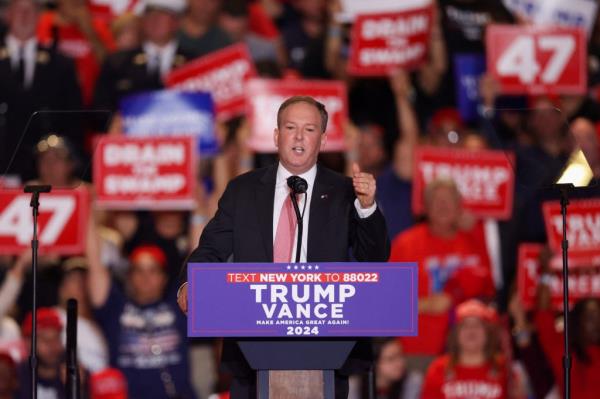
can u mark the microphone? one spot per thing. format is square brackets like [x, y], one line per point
[297, 184]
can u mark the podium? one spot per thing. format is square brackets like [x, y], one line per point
[291, 369]
[296, 324]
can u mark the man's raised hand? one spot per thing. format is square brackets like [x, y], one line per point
[364, 186]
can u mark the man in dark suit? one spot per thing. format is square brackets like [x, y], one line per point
[132, 71]
[32, 78]
[250, 224]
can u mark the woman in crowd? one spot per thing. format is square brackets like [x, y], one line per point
[393, 380]
[473, 367]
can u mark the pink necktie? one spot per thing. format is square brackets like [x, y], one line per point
[286, 230]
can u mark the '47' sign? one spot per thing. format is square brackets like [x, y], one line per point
[537, 60]
[62, 221]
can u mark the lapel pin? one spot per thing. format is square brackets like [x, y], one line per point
[323, 196]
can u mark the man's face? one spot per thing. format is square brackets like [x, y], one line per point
[147, 279]
[206, 10]
[55, 167]
[50, 347]
[159, 26]
[22, 17]
[299, 137]
[444, 207]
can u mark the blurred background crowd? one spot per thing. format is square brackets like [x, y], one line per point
[477, 337]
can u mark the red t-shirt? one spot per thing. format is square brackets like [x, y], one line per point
[73, 43]
[481, 382]
[585, 378]
[458, 266]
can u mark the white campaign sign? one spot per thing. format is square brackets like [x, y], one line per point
[352, 8]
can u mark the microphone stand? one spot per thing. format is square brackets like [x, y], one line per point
[299, 218]
[564, 202]
[35, 191]
[72, 385]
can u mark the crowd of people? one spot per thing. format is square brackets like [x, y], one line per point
[476, 337]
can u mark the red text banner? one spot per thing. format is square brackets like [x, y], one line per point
[583, 283]
[222, 73]
[266, 95]
[145, 173]
[485, 179]
[63, 217]
[381, 42]
[583, 230]
[537, 60]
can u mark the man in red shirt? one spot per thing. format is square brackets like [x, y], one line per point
[453, 265]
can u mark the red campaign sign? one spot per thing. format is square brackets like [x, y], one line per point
[222, 73]
[537, 59]
[149, 172]
[583, 230]
[266, 95]
[63, 217]
[485, 179]
[380, 42]
[583, 283]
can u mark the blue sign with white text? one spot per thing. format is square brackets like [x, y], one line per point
[171, 113]
[288, 300]
[468, 69]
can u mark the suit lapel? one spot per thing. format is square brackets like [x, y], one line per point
[265, 194]
[320, 212]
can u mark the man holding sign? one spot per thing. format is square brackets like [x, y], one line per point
[255, 222]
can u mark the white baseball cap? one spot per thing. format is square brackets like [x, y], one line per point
[174, 6]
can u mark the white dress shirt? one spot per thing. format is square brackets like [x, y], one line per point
[26, 49]
[282, 191]
[164, 55]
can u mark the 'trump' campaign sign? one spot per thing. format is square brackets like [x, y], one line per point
[266, 95]
[582, 283]
[536, 60]
[148, 173]
[171, 113]
[485, 179]
[583, 230]
[381, 42]
[62, 220]
[222, 73]
[320, 299]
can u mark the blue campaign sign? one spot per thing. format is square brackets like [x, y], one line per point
[170, 113]
[468, 69]
[317, 299]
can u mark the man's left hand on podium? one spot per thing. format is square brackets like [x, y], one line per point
[364, 187]
[182, 298]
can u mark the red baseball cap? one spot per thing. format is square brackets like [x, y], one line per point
[475, 308]
[446, 114]
[47, 318]
[108, 384]
[154, 251]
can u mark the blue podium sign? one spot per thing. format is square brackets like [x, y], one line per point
[291, 300]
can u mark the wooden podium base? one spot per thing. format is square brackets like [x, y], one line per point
[296, 384]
